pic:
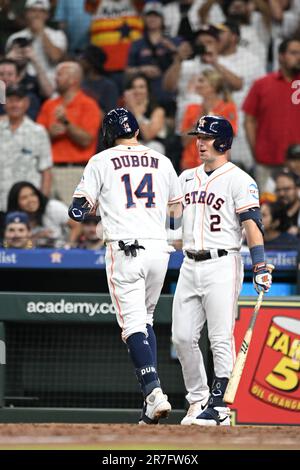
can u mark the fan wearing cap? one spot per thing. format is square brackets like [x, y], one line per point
[48, 44]
[17, 232]
[95, 83]
[153, 53]
[219, 201]
[25, 150]
[13, 71]
[8, 76]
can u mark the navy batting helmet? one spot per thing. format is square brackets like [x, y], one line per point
[118, 122]
[216, 127]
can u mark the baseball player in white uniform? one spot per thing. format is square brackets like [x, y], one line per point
[219, 200]
[133, 186]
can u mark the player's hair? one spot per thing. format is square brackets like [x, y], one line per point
[13, 199]
[217, 82]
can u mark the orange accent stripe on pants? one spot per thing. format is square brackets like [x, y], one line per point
[114, 287]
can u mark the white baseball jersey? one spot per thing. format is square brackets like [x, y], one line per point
[133, 186]
[212, 204]
[207, 291]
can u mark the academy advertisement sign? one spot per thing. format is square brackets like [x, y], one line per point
[56, 307]
[64, 306]
[269, 391]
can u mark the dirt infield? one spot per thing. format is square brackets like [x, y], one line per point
[132, 436]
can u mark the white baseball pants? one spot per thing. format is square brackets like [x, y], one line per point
[206, 291]
[135, 283]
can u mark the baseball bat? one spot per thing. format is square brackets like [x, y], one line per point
[239, 365]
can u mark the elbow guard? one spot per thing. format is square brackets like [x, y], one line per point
[79, 209]
[255, 215]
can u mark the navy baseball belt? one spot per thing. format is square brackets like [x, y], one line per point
[205, 255]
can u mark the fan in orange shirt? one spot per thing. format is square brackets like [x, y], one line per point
[216, 101]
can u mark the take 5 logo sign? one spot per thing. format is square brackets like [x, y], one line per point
[269, 391]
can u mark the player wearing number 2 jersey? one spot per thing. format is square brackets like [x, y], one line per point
[134, 186]
[219, 200]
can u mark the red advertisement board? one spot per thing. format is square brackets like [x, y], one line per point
[269, 390]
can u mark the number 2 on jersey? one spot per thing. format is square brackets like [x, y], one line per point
[144, 190]
[216, 220]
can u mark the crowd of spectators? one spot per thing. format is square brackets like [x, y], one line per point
[65, 63]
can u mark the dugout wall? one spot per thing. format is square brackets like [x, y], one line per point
[62, 360]
[64, 351]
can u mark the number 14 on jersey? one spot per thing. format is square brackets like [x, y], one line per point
[143, 190]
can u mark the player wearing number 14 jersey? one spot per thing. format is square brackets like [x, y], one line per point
[135, 187]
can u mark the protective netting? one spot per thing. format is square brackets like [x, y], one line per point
[83, 366]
